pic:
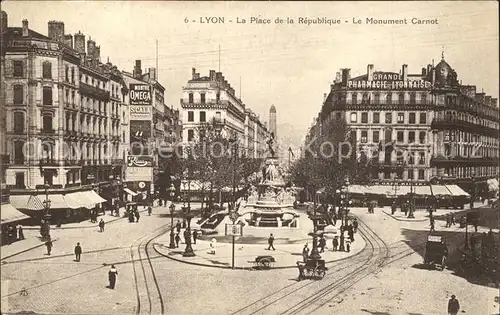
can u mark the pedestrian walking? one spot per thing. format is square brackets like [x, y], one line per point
[137, 216]
[448, 220]
[49, 245]
[187, 237]
[453, 305]
[355, 225]
[335, 243]
[347, 245]
[305, 253]
[150, 210]
[432, 226]
[21, 233]
[178, 226]
[341, 244]
[475, 226]
[393, 208]
[322, 244]
[101, 225]
[78, 252]
[112, 277]
[195, 236]
[350, 233]
[10, 234]
[452, 219]
[213, 243]
[334, 219]
[270, 241]
[177, 240]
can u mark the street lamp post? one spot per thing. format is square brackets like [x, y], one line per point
[172, 209]
[347, 202]
[46, 202]
[314, 251]
[412, 204]
[188, 252]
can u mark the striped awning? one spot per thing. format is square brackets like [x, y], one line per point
[10, 214]
[27, 202]
[440, 190]
[380, 190]
[130, 192]
[492, 184]
[93, 197]
[457, 191]
[402, 190]
[358, 189]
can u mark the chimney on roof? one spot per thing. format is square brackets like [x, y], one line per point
[405, 72]
[25, 28]
[4, 22]
[97, 53]
[68, 40]
[56, 30]
[137, 73]
[494, 102]
[91, 48]
[152, 74]
[80, 42]
[346, 75]
[325, 95]
[212, 75]
[193, 73]
[369, 72]
[424, 71]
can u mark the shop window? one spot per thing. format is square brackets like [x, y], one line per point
[20, 181]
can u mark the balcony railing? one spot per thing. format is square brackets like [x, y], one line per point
[47, 131]
[117, 162]
[93, 91]
[49, 162]
[444, 123]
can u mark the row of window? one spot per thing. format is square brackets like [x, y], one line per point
[19, 95]
[20, 122]
[412, 118]
[453, 116]
[375, 138]
[387, 98]
[203, 98]
[467, 171]
[410, 174]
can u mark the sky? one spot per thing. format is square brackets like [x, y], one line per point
[288, 65]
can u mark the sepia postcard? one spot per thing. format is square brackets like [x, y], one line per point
[249, 157]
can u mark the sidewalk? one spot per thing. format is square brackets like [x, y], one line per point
[422, 214]
[30, 242]
[286, 255]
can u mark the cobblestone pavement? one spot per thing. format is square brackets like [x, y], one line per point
[59, 285]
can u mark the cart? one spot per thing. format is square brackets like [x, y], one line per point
[436, 252]
[263, 262]
[314, 269]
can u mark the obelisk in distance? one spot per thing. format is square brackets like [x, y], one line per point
[272, 124]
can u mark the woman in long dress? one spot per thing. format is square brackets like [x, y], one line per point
[112, 276]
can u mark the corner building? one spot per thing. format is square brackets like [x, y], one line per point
[62, 109]
[211, 99]
[417, 128]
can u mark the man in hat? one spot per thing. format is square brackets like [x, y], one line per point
[453, 305]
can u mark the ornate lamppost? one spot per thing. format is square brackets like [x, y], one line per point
[314, 251]
[46, 202]
[188, 252]
[172, 209]
[412, 200]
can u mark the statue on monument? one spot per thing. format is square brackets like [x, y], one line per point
[270, 145]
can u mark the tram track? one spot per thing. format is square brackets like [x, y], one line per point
[147, 289]
[295, 291]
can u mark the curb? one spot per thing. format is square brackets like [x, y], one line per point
[247, 268]
[78, 227]
[26, 250]
[405, 219]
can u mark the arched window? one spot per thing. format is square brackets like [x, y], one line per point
[18, 123]
[354, 98]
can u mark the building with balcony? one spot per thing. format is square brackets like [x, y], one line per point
[62, 120]
[212, 99]
[423, 127]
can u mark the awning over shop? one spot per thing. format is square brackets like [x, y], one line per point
[492, 184]
[402, 190]
[130, 192]
[78, 200]
[56, 201]
[95, 197]
[457, 191]
[27, 202]
[423, 191]
[194, 185]
[10, 214]
[440, 190]
[358, 189]
[380, 190]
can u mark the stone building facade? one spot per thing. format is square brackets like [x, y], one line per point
[212, 99]
[424, 127]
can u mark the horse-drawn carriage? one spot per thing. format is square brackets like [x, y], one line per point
[312, 268]
[436, 251]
